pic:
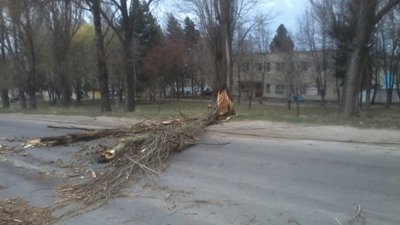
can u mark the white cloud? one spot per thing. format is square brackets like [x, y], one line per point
[290, 3]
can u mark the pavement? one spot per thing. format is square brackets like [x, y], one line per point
[238, 173]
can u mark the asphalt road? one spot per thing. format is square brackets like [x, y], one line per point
[226, 180]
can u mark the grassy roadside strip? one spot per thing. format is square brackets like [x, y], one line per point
[375, 117]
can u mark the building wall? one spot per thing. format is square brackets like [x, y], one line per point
[271, 73]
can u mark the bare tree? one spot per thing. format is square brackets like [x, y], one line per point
[25, 18]
[63, 21]
[102, 71]
[4, 75]
[389, 38]
[283, 43]
[123, 18]
[294, 79]
[261, 36]
[82, 61]
[366, 14]
[218, 20]
[314, 37]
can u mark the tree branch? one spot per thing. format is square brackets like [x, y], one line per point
[111, 24]
[385, 9]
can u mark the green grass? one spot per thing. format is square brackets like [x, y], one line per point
[376, 116]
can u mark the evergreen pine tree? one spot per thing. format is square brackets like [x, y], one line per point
[282, 41]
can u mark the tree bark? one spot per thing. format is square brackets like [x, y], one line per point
[130, 79]
[127, 24]
[22, 99]
[5, 99]
[369, 83]
[66, 87]
[358, 56]
[102, 73]
[337, 90]
[398, 87]
[366, 19]
[32, 60]
[389, 97]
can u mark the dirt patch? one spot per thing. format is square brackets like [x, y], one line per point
[18, 211]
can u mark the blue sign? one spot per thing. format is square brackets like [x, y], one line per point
[389, 80]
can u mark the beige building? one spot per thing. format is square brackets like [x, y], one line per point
[278, 75]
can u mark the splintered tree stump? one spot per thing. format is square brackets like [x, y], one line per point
[224, 104]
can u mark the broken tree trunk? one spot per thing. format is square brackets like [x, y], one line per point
[75, 137]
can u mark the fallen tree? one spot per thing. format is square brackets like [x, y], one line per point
[141, 151]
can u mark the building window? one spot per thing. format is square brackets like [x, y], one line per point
[267, 66]
[267, 88]
[304, 65]
[245, 67]
[259, 66]
[259, 89]
[279, 89]
[280, 66]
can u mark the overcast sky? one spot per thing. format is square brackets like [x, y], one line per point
[286, 11]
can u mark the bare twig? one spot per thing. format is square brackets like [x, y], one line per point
[338, 221]
[142, 165]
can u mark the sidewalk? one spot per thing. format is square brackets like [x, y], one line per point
[339, 133]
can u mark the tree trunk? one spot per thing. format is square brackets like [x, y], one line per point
[120, 94]
[250, 98]
[368, 95]
[130, 77]
[66, 89]
[226, 16]
[220, 70]
[32, 104]
[368, 83]
[78, 92]
[102, 72]
[358, 56]
[50, 96]
[178, 93]
[389, 97]
[5, 99]
[22, 99]
[31, 90]
[240, 89]
[398, 87]
[376, 86]
[337, 90]
[263, 86]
